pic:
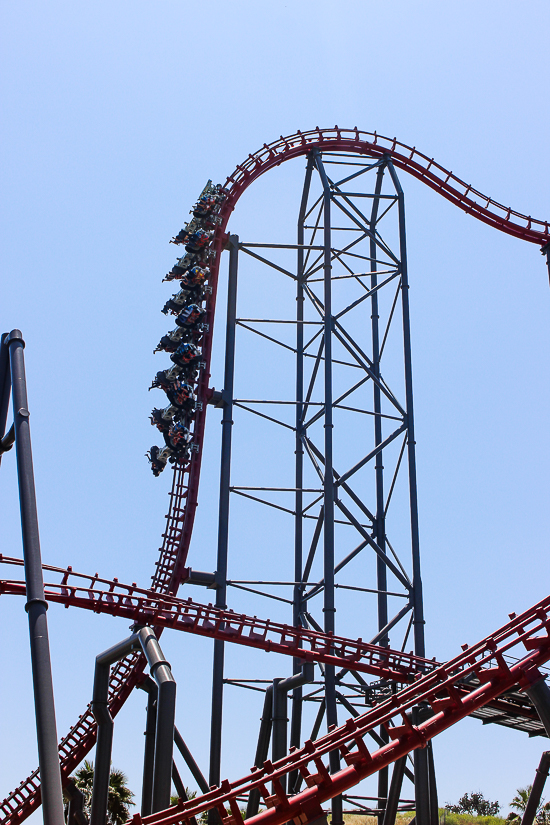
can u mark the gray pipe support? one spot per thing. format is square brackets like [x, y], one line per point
[36, 605]
[100, 710]
[537, 789]
[262, 749]
[190, 762]
[5, 383]
[539, 694]
[166, 713]
[149, 686]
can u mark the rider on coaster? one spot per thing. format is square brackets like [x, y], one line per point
[186, 354]
[190, 316]
[158, 458]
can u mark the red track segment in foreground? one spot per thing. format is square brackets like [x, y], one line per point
[184, 497]
[440, 690]
[147, 607]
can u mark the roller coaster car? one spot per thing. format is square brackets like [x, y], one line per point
[167, 377]
[171, 341]
[185, 233]
[160, 381]
[196, 276]
[186, 354]
[192, 259]
[166, 344]
[158, 458]
[181, 395]
[198, 240]
[177, 300]
[189, 372]
[205, 206]
[162, 419]
[190, 316]
[178, 438]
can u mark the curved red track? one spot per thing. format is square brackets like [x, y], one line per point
[183, 497]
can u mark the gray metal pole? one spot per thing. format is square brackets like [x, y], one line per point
[432, 786]
[418, 607]
[329, 608]
[262, 749]
[36, 605]
[296, 719]
[190, 762]
[166, 712]
[539, 694]
[392, 803]
[420, 755]
[100, 710]
[281, 688]
[537, 789]
[279, 717]
[75, 812]
[5, 384]
[380, 519]
[149, 749]
[223, 528]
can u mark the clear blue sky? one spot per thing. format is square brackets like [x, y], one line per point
[114, 115]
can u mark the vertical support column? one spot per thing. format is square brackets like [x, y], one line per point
[421, 783]
[5, 385]
[223, 527]
[105, 725]
[432, 786]
[380, 523]
[328, 483]
[418, 608]
[166, 713]
[280, 723]
[262, 749]
[392, 802]
[537, 789]
[149, 750]
[296, 722]
[36, 605]
[539, 694]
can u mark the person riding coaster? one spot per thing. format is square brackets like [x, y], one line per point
[198, 240]
[162, 419]
[196, 276]
[186, 295]
[186, 354]
[187, 372]
[178, 437]
[175, 303]
[165, 378]
[158, 458]
[200, 259]
[185, 233]
[181, 395]
[167, 344]
[190, 316]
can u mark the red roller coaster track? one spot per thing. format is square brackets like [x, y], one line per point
[183, 501]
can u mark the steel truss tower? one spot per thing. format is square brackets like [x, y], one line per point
[353, 494]
[318, 463]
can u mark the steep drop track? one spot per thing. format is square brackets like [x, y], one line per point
[183, 496]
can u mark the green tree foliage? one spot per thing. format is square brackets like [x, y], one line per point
[476, 804]
[519, 802]
[120, 796]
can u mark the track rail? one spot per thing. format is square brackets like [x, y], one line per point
[147, 607]
[184, 493]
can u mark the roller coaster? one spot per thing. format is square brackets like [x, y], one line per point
[343, 366]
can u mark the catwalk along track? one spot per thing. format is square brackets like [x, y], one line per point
[438, 687]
